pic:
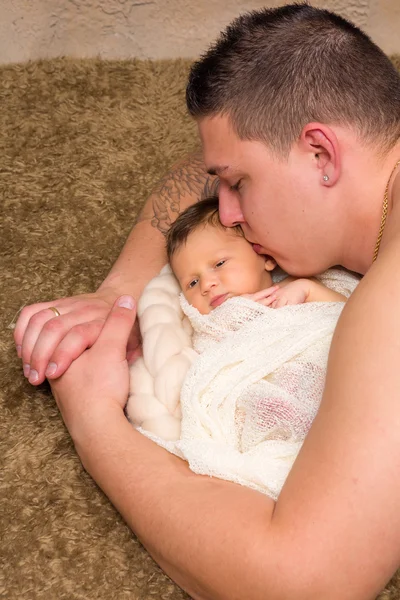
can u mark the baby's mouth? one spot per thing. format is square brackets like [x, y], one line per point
[217, 300]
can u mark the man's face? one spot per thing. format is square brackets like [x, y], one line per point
[217, 264]
[274, 200]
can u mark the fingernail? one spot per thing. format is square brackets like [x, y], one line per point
[19, 350]
[33, 376]
[26, 368]
[51, 369]
[126, 302]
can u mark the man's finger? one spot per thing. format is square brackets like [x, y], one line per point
[45, 333]
[76, 341]
[133, 355]
[24, 317]
[135, 338]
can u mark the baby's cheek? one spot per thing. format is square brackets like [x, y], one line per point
[201, 304]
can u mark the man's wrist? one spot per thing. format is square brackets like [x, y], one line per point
[114, 286]
[92, 426]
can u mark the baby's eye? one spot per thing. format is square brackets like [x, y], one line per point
[220, 263]
[192, 283]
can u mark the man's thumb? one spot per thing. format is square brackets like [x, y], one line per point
[125, 302]
[118, 325]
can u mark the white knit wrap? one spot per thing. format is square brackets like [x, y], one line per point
[156, 378]
[249, 398]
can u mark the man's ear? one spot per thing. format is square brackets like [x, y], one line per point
[322, 142]
[270, 264]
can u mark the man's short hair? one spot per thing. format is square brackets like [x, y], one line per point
[205, 212]
[272, 71]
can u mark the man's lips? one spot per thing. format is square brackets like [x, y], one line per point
[217, 300]
[259, 249]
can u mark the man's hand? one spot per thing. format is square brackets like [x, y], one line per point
[98, 381]
[48, 344]
[295, 292]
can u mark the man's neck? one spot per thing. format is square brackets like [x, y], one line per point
[392, 227]
[365, 209]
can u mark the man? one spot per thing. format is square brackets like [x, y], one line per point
[299, 118]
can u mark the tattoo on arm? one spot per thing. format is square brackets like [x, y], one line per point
[186, 184]
[211, 187]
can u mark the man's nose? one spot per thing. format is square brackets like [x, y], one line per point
[230, 213]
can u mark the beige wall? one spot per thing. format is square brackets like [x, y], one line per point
[31, 29]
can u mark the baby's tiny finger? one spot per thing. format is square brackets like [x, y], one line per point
[266, 293]
[267, 301]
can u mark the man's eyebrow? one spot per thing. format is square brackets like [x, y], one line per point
[216, 170]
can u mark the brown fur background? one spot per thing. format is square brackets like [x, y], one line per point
[81, 145]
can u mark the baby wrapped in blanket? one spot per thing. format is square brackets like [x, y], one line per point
[233, 371]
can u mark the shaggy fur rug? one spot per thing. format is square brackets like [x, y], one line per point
[81, 145]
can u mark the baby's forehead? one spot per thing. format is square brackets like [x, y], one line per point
[216, 232]
[205, 242]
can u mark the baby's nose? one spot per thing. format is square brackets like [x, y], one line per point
[207, 282]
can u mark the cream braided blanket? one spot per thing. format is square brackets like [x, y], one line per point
[249, 398]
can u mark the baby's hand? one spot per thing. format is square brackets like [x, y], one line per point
[295, 292]
[265, 297]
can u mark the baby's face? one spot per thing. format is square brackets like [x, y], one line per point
[217, 264]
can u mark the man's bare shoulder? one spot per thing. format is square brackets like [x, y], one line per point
[353, 447]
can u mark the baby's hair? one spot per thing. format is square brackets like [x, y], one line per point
[205, 212]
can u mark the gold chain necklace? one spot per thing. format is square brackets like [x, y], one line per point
[384, 213]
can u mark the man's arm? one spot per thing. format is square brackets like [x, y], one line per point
[42, 339]
[334, 532]
[144, 252]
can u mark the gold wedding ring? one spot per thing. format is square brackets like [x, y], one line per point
[55, 311]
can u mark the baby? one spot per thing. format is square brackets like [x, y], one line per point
[231, 385]
[213, 263]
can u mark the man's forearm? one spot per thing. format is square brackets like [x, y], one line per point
[199, 529]
[143, 254]
[141, 258]
[219, 540]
